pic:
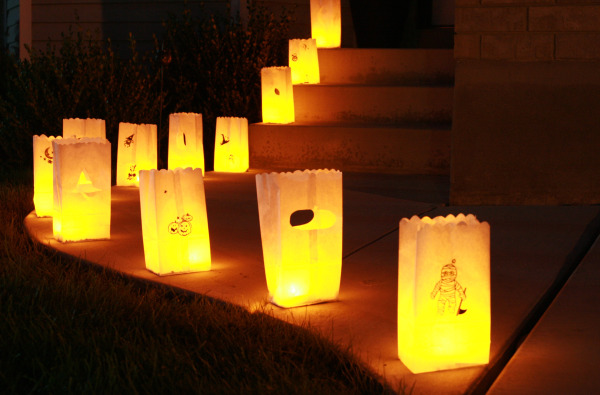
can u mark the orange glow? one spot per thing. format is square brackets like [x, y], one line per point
[186, 148]
[174, 222]
[444, 314]
[326, 23]
[136, 151]
[277, 95]
[43, 169]
[81, 189]
[304, 61]
[303, 264]
[231, 145]
[79, 128]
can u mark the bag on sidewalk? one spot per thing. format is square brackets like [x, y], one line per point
[303, 262]
[174, 222]
[444, 300]
[136, 151]
[82, 178]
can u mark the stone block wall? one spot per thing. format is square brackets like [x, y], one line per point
[535, 30]
[526, 125]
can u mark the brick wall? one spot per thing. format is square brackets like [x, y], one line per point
[527, 30]
[525, 127]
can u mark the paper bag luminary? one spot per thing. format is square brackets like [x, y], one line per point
[81, 189]
[277, 95]
[301, 230]
[43, 168]
[186, 148]
[79, 128]
[304, 61]
[174, 222]
[326, 23]
[231, 145]
[444, 313]
[136, 151]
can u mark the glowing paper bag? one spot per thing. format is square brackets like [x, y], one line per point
[231, 145]
[174, 222]
[81, 189]
[136, 151]
[277, 95]
[303, 261]
[326, 23]
[79, 128]
[43, 168]
[304, 61]
[185, 141]
[444, 313]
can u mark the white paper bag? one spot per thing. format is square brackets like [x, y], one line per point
[174, 222]
[444, 313]
[231, 145]
[43, 168]
[326, 23]
[186, 148]
[277, 95]
[304, 61]
[136, 151]
[303, 264]
[81, 189]
[79, 128]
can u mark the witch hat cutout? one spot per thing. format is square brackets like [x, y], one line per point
[85, 185]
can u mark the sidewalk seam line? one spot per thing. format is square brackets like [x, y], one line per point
[389, 232]
[589, 237]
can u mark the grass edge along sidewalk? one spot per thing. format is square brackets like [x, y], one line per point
[71, 327]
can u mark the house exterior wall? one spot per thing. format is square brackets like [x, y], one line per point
[526, 128]
[115, 19]
[10, 24]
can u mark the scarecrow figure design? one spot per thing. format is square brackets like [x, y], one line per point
[448, 287]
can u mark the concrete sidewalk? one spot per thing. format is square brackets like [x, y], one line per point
[530, 248]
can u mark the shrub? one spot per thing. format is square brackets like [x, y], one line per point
[83, 78]
[209, 65]
[212, 65]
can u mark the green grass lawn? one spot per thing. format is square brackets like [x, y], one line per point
[67, 327]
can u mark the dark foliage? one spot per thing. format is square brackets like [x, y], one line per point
[210, 66]
[83, 78]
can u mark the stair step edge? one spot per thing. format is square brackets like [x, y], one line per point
[407, 125]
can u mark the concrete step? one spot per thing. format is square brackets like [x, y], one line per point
[396, 149]
[386, 66]
[372, 103]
